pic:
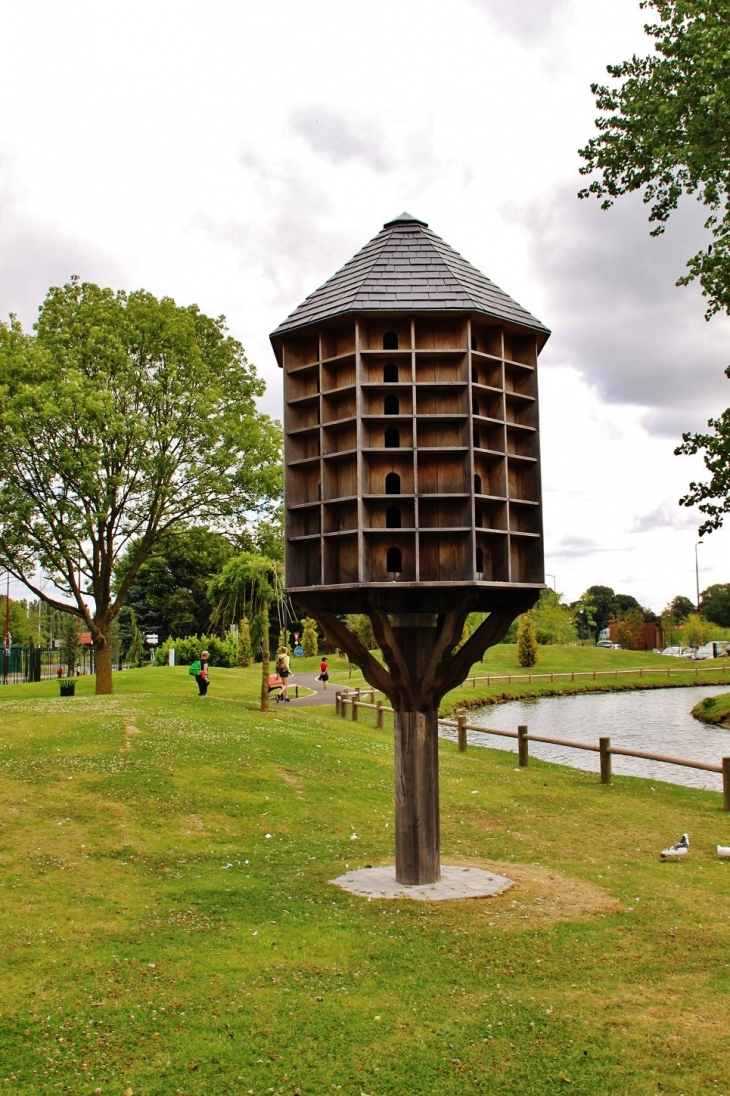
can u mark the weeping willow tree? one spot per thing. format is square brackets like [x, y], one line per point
[246, 588]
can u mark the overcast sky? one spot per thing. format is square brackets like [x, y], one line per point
[236, 154]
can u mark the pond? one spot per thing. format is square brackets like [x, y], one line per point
[654, 720]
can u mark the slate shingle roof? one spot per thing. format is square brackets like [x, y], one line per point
[407, 267]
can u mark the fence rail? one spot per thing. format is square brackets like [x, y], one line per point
[353, 699]
[573, 675]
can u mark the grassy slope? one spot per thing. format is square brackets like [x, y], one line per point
[155, 937]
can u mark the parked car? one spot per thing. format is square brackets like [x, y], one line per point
[604, 643]
[713, 649]
[675, 652]
[689, 652]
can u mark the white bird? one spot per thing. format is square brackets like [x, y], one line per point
[677, 851]
[723, 851]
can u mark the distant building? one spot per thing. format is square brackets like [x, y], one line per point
[651, 636]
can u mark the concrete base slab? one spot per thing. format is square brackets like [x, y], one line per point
[455, 883]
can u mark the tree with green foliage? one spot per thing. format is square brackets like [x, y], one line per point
[135, 650]
[123, 417]
[715, 604]
[359, 623]
[695, 631]
[607, 606]
[552, 620]
[526, 642]
[244, 656]
[170, 592]
[601, 599]
[712, 498]
[21, 626]
[679, 608]
[248, 584]
[268, 536]
[310, 639]
[627, 629]
[70, 648]
[663, 132]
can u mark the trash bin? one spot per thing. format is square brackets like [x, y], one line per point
[68, 687]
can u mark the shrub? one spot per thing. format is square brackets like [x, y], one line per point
[223, 652]
[135, 651]
[360, 624]
[526, 642]
[245, 652]
[309, 637]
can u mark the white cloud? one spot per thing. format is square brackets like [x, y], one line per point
[36, 255]
[617, 315]
[668, 515]
[529, 21]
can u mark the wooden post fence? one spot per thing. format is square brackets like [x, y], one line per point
[604, 747]
[523, 748]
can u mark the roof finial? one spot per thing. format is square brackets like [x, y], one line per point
[407, 218]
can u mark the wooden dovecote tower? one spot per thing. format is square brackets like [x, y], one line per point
[412, 481]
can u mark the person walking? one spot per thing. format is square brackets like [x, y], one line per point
[202, 677]
[324, 671]
[283, 669]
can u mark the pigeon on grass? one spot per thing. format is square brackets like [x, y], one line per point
[678, 850]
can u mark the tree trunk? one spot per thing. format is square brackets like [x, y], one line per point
[265, 657]
[103, 663]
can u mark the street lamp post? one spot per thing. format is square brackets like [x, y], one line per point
[697, 575]
[555, 581]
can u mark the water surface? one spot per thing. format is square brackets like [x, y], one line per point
[655, 720]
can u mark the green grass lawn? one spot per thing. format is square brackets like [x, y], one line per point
[168, 925]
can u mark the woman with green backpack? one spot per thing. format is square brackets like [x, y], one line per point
[199, 670]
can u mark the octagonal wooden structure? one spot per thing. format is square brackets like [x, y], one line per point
[411, 435]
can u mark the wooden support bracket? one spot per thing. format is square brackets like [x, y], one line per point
[375, 674]
[455, 668]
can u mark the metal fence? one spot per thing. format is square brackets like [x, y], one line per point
[43, 663]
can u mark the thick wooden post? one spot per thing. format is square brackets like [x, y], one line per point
[461, 731]
[604, 745]
[726, 783]
[523, 747]
[417, 828]
[379, 714]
